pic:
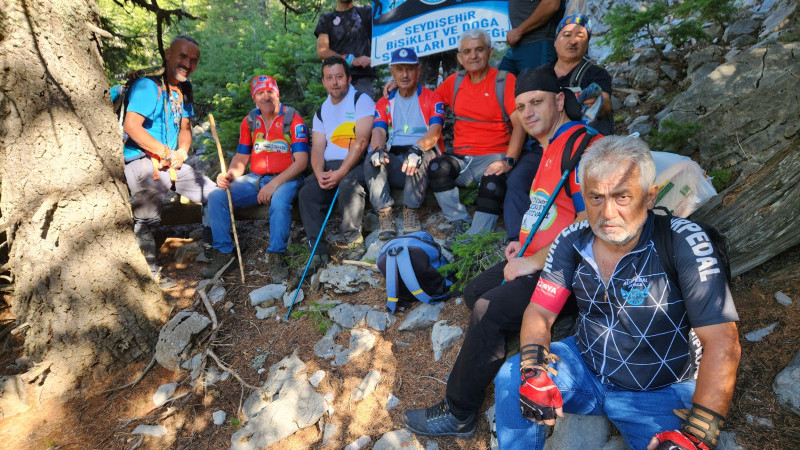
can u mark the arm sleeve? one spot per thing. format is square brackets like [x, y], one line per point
[323, 25]
[187, 110]
[245, 138]
[445, 90]
[508, 93]
[381, 115]
[555, 282]
[143, 97]
[702, 280]
[316, 124]
[364, 107]
[437, 115]
[299, 134]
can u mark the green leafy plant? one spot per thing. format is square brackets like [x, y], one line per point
[721, 179]
[317, 314]
[675, 137]
[468, 194]
[236, 423]
[296, 256]
[472, 255]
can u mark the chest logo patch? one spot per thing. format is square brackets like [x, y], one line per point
[635, 291]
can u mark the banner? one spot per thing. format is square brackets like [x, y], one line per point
[432, 26]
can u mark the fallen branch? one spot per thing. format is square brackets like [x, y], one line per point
[138, 379]
[366, 265]
[434, 379]
[229, 369]
[207, 302]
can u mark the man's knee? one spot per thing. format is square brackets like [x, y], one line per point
[442, 174]
[491, 193]
[146, 207]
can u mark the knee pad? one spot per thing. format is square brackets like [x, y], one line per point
[491, 193]
[442, 173]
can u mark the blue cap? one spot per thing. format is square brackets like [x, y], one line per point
[404, 56]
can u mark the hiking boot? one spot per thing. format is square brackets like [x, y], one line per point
[438, 421]
[164, 282]
[277, 268]
[207, 253]
[387, 230]
[218, 260]
[318, 261]
[355, 250]
[410, 220]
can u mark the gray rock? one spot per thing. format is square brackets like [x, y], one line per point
[643, 77]
[743, 41]
[739, 28]
[373, 246]
[490, 418]
[755, 336]
[259, 361]
[266, 313]
[421, 317]
[392, 401]
[433, 219]
[218, 417]
[176, 337]
[346, 279]
[656, 93]
[433, 445]
[783, 299]
[193, 362]
[619, 82]
[330, 432]
[696, 59]
[327, 347]
[576, 432]
[367, 386]
[13, 396]
[359, 443]
[349, 316]
[380, 320]
[615, 443]
[779, 18]
[268, 294]
[287, 297]
[163, 394]
[631, 101]
[187, 253]
[616, 105]
[401, 438]
[727, 441]
[669, 71]
[281, 372]
[150, 430]
[371, 222]
[361, 341]
[317, 378]
[442, 337]
[214, 376]
[641, 125]
[787, 385]
[295, 407]
[762, 421]
[217, 294]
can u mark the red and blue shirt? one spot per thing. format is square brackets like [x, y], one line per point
[430, 104]
[271, 150]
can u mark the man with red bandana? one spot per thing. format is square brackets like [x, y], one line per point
[274, 139]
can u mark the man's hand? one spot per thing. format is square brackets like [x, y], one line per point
[389, 87]
[361, 61]
[513, 37]
[379, 157]
[224, 180]
[266, 191]
[330, 179]
[498, 168]
[164, 164]
[412, 160]
[177, 158]
[512, 250]
[539, 398]
[675, 440]
[519, 267]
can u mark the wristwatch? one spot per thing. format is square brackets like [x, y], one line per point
[510, 161]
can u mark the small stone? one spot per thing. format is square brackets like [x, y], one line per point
[432, 445]
[762, 421]
[359, 443]
[267, 294]
[317, 378]
[347, 279]
[392, 401]
[266, 313]
[631, 101]
[402, 344]
[287, 298]
[327, 347]
[329, 433]
[727, 441]
[401, 438]
[656, 93]
[669, 71]
[361, 341]
[163, 393]
[193, 362]
[218, 417]
[258, 361]
[755, 336]
[743, 41]
[380, 320]
[261, 370]
[150, 430]
[228, 305]
[641, 125]
[176, 337]
[787, 385]
[783, 299]
[421, 317]
[443, 336]
[217, 294]
[367, 386]
[349, 316]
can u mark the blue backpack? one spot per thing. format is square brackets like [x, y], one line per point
[409, 264]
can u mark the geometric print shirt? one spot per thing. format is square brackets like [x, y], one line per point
[635, 332]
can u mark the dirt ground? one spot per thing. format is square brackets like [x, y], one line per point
[105, 421]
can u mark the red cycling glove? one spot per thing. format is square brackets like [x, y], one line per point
[538, 395]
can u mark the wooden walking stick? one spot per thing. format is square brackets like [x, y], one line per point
[228, 191]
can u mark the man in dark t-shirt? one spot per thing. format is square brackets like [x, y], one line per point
[530, 39]
[347, 32]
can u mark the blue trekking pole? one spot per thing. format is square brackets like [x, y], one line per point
[313, 251]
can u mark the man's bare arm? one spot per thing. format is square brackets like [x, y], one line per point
[324, 47]
[134, 127]
[716, 375]
[378, 138]
[319, 142]
[538, 17]
[359, 144]
[431, 137]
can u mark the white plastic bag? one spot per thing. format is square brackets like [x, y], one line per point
[682, 184]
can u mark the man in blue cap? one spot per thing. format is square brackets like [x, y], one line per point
[406, 135]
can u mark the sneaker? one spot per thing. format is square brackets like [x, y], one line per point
[438, 421]
[355, 250]
[207, 253]
[277, 268]
[165, 282]
[218, 260]
[410, 220]
[387, 230]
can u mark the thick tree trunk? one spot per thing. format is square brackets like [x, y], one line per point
[80, 281]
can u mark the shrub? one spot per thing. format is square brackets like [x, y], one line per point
[472, 255]
[675, 137]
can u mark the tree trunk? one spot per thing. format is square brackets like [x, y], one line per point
[81, 282]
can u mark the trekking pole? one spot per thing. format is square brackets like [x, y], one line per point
[313, 251]
[228, 191]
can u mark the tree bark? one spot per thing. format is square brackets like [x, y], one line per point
[80, 280]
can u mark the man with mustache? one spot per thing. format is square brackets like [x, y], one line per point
[405, 135]
[158, 142]
[497, 308]
[633, 357]
[277, 159]
[347, 32]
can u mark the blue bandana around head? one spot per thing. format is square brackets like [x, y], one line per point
[578, 19]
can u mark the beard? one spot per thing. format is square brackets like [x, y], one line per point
[618, 239]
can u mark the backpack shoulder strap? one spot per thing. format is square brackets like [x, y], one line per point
[391, 281]
[409, 278]
[500, 93]
[251, 120]
[457, 84]
[288, 117]
[571, 154]
[577, 74]
[356, 97]
[662, 239]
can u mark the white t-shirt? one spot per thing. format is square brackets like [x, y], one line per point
[339, 122]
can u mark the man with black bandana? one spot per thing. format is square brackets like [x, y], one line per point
[347, 32]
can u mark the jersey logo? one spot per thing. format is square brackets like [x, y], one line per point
[271, 146]
[300, 132]
[637, 290]
[343, 134]
[438, 108]
[538, 201]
